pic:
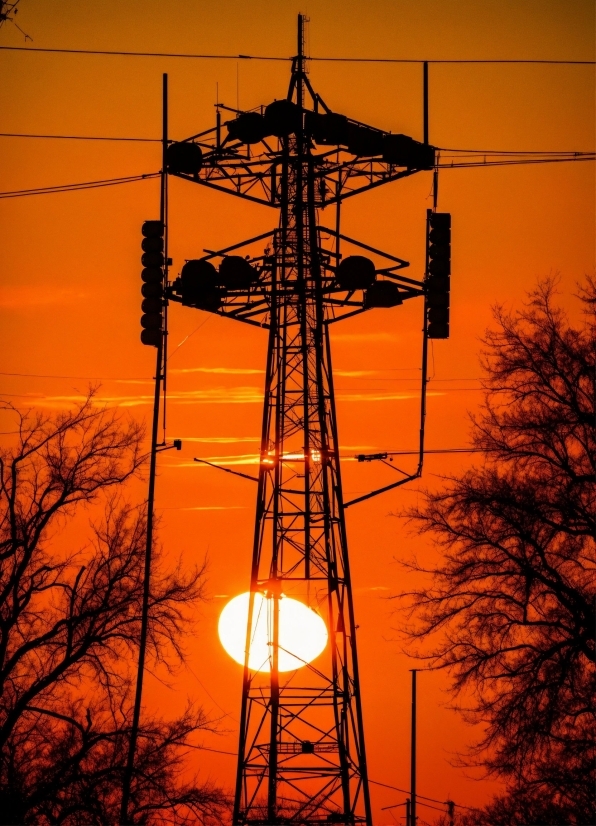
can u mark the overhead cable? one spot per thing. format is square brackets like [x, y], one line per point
[51, 190]
[454, 60]
[146, 54]
[588, 156]
[78, 137]
[459, 153]
[397, 789]
[323, 58]
[406, 791]
[509, 151]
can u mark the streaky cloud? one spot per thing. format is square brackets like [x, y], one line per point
[232, 371]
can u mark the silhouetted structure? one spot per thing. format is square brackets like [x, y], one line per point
[301, 753]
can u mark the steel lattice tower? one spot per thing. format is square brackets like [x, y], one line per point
[301, 754]
[304, 733]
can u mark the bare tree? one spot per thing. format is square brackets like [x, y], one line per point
[8, 12]
[531, 805]
[69, 626]
[511, 607]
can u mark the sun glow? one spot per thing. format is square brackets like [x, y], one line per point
[270, 459]
[302, 632]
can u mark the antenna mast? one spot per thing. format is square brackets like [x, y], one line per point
[301, 754]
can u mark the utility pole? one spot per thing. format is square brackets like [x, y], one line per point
[425, 102]
[160, 378]
[413, 752]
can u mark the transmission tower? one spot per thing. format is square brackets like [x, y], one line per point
[301, 756]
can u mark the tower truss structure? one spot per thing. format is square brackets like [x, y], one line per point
[302, 757]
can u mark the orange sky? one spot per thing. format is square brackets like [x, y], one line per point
[71, 276]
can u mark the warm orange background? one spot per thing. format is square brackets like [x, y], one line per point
[71, 277]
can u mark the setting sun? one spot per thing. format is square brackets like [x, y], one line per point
[302, 632]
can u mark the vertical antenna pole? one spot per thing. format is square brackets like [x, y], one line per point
[300, 41]
[425, 100]
[424, 357]
[413, 754]
[337, 214]
[408, 817]
[423, 389]
[163, 216]
[159, 375]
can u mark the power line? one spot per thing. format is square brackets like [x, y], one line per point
[455, 60]
[413, 379]
[564, 154]
[50, 190]
[430, 806]
[188, 56]
[588, 156]
[86, 378]
[190, 335]
[397, 789]
[77, 137]
[508, 151]
[147, 54]
[436, 450]
[406, 791]
[420, 802]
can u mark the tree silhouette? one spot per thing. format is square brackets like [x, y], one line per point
[511, 607]
[69, 626]
[530, 805]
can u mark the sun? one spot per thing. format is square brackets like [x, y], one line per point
[302, 632]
